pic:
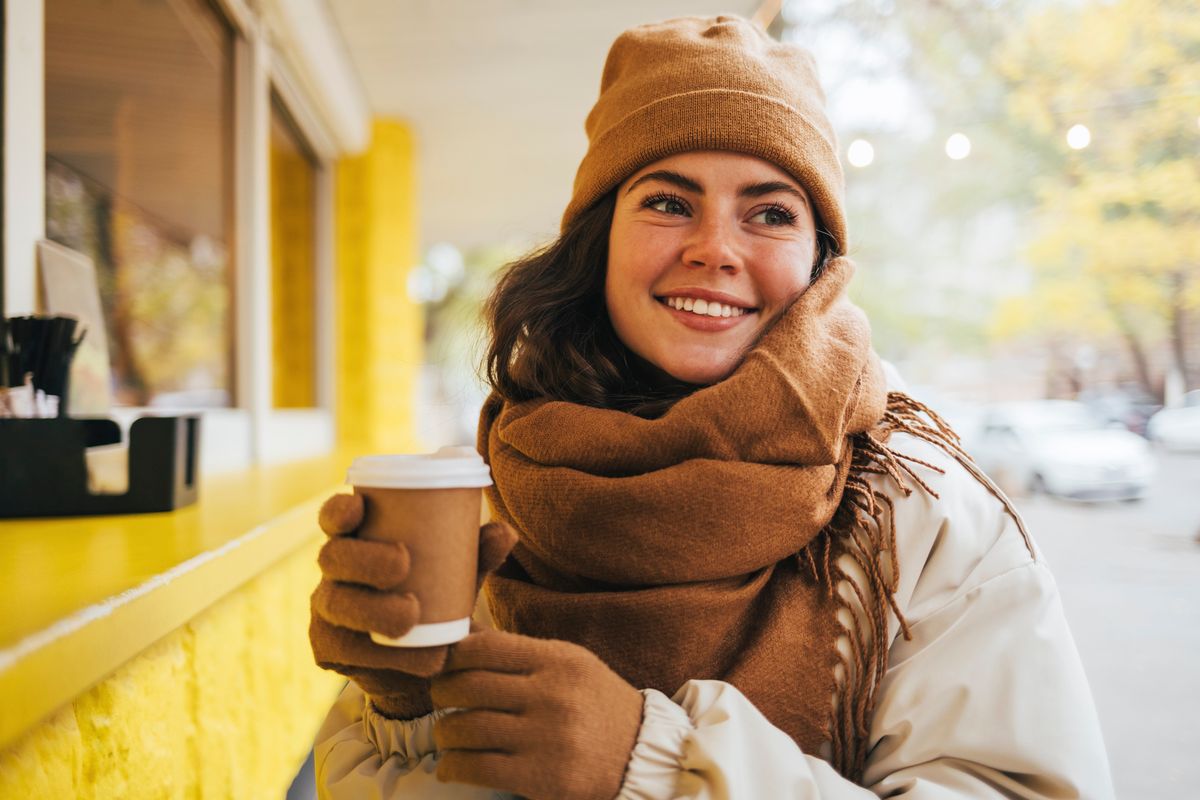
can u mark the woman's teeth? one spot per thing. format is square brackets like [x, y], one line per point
[704, 308]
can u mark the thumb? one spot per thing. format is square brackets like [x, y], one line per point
[496, 540]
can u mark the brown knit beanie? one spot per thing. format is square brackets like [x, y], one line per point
[715, 83]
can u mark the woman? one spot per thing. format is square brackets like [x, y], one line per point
[742, 568]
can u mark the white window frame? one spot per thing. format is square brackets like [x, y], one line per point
[24, 151]
[275, 434]
[294, 433]
[251, 431]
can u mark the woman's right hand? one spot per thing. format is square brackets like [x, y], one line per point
[357, 595]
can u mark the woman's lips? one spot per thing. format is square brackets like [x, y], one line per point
[701, 322]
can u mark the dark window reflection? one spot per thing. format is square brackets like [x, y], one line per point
[138, 176]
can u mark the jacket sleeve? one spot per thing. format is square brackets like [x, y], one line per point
[988, 699]
[359, 755]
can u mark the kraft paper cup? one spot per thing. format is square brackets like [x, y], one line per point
[431, 503]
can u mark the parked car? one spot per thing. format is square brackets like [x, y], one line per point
[1129, 405]
[1178, 428]
[1061, 447]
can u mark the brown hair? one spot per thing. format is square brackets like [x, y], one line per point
[550, 334]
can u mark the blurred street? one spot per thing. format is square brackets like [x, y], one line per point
[1129, 574]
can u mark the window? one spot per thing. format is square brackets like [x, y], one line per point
[293, 187]
[139, 153]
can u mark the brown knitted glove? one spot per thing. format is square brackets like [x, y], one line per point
[540, 718]
[354, 597]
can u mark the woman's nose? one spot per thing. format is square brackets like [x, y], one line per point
[711, 244]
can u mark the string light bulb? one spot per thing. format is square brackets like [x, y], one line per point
[958, 146]
[860, 153]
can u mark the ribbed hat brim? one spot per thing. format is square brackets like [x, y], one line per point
[712, 119]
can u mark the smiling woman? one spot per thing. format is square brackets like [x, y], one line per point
[743, 567]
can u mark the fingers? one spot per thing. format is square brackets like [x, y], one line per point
[480, 689]
[496, 651]
[352, 652]
[341, 514]
[479, 730]
[382, 565]
[363, 609]
[496, 539]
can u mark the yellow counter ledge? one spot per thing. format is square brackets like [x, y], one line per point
[81, 596]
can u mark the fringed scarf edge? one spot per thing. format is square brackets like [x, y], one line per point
[858, 530]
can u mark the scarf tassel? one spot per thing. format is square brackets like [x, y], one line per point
[859, 531]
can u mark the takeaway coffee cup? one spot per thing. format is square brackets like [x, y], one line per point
[431, 503]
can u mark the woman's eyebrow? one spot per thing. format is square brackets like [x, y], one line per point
[768, 187]
[687, 184]
[667, 176]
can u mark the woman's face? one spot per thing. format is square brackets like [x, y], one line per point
[704, 248]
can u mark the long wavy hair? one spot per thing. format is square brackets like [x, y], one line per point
[551, 336]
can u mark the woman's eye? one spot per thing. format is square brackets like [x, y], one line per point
[667, 205]
[774, 216]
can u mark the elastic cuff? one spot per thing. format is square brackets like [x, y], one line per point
[408, 739]
[654, 765]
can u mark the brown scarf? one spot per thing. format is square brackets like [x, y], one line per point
[705, 543]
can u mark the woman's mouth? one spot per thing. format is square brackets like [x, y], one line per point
[704, 308]
[705, 315]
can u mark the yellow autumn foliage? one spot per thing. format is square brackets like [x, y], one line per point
[1117, 224]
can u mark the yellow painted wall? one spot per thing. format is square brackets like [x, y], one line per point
[380, 331]
[224, 707]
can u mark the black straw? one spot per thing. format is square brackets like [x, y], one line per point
[44, 347]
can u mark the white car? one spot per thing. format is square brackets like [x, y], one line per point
[1059, 447]
[1178, 428]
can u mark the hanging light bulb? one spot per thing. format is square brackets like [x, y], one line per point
[1079, 137]
[958, 146]
[860, 153]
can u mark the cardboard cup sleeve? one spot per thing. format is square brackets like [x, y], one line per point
[440, 528]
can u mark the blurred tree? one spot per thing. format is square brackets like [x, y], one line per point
[455, 329]
[164, 291]
[456, 341]
[1117, 244]
[1109, 231]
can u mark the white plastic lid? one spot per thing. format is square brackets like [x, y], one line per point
[448, 468]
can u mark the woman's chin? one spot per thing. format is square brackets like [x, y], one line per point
[702, 372]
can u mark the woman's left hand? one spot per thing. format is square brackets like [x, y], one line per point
[540, 718]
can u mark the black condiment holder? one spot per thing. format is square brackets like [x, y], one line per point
[43, 469]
